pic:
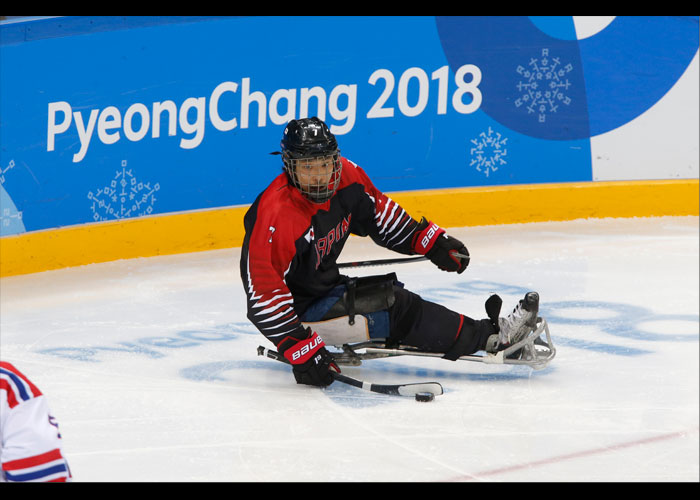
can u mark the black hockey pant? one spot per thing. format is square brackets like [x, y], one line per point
[434, 328]
[412, 320]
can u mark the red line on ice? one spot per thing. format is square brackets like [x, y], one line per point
[570, 456]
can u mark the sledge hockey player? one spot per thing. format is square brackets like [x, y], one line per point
[31, 448]
[295, 231]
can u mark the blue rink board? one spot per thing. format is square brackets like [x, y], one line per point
[107, 118]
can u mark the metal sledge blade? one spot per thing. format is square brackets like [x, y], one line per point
[534, 352]
[527, 350]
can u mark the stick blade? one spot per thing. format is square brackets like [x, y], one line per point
[433, 388]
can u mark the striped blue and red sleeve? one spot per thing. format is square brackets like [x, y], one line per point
[31, 442]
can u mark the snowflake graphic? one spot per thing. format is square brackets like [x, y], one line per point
[543, 85]
[488, 151]
[124, 197]
[4, 170]
[10, 217]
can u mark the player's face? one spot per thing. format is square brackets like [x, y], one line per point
[314, 174]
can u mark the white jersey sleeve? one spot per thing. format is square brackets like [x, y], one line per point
[31, 448]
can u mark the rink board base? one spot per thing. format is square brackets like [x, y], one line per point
[223, 228]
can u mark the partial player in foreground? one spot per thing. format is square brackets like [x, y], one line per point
[299, 300]
[31, 444]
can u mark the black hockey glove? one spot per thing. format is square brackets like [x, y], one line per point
[443, 254]
[432, 241]
[311, 362]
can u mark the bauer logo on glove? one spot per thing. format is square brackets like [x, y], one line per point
[427, 239]
[306, 348]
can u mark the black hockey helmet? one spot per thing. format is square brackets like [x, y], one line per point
[308, 138]
[305, 141]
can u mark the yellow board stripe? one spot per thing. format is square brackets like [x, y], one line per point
[550, 202]
[223, 228]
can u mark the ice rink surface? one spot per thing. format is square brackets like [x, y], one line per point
[150, 367]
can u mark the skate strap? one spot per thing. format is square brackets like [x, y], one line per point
[493, 309]
[350, 299]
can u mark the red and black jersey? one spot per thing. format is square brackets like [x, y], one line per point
[291, 245]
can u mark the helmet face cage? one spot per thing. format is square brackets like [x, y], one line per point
[316, 177]
[311, 158]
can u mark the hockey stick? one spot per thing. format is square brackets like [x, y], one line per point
[399, 260]
[381, 262]
[433, 388]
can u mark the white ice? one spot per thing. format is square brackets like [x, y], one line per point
[150, 367]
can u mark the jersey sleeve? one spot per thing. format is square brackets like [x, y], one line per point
[388, 224]
[266, 257]
[31, 442]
